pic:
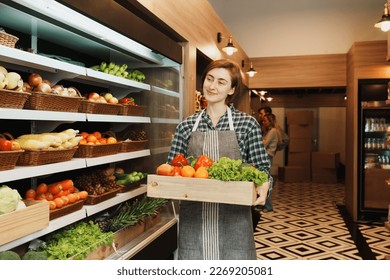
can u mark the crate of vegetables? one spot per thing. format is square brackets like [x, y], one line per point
[21, 222]
[226, 181]
[197, 189]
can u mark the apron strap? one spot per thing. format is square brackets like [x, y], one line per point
[231, 126]
[198, 120]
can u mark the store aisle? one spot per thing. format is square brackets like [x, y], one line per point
[308, 223]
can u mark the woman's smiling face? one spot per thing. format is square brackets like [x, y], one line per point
[217, 85]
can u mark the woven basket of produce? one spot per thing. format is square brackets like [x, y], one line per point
[95, 199]
[8, 39]
[45, 157]
[8, 159]
[13, 99]
[52, 102]
[132, 110]
[90, 107]
[88, 151]
[132, 146]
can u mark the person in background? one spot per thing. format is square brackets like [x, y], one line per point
[262, 112]
[216, 230]
[270, 140]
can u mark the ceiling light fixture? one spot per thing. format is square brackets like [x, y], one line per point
[230, 48]
[384, 22]
[260, 94]
[251, 72]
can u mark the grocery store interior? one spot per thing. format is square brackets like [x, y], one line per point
[90, 101]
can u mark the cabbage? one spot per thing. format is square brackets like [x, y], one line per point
[9, 199]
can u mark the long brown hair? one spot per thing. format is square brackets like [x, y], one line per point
[236, 76]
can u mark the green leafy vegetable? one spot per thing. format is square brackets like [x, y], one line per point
[77, 241]
[227, 169]
[9, 255]
[9, 199]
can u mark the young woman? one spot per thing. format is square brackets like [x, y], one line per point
[271, 135]
[215, 230]
[270, 140]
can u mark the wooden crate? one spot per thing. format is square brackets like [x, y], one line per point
[127, 234]
[196, 189]
[22, 222]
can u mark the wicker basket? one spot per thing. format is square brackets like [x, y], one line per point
[131, 146]
[45, 157]
[13, 99]
[65, 210]
[132, 110]
[95, 199]
[51, 102]
[90, 107]
[8, 159]
[8, 39]
[88, 151]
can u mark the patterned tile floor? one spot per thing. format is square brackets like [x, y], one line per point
[306, 224]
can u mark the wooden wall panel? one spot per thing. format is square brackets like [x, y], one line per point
[198, 23]
[299, 71]
[369, 53]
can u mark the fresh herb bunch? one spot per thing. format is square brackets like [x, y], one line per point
[227, 169]
[131, 213]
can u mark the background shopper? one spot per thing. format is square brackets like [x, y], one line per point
[216, 230]
[262, 112]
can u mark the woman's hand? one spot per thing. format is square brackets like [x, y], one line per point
[262, 193]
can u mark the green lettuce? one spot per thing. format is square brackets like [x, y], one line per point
[9, 199]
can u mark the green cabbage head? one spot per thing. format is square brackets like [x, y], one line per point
[9, 199]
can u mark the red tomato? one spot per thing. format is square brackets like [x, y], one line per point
[5, 145]
[124, 100]
[165, 169]
[177, 170]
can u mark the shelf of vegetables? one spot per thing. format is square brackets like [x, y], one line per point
[84, 212]
[56, 70]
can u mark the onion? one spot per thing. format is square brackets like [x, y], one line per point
[57, 89]
[72, 92]
[34, 79]
[47, 82]
[26, 87]
[43, 87]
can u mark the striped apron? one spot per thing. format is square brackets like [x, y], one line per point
[215, 231]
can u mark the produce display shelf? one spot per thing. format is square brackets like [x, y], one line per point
[144, 239]
[97, 76]
[30, 60]
[22, 172]
[24, 114]
[165, 91]
[165, 120]
[119, 198]
[116, 157]
[76, 216]
[117, 118]
[53, 226]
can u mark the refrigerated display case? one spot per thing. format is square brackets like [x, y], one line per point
[64, 51]
[374, 149]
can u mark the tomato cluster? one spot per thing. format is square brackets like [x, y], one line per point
[8, 145]
[179, 167]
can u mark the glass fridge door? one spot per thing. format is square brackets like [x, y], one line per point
[374, 150]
